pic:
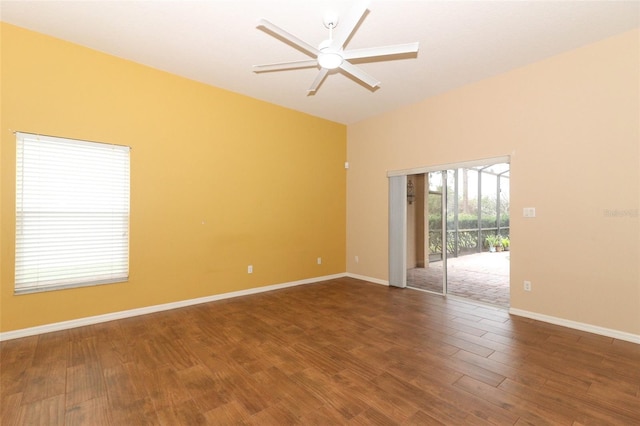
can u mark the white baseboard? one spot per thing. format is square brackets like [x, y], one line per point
[364, 278]
[65, 325]
[616, 334]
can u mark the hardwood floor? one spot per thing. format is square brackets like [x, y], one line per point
[337, 352]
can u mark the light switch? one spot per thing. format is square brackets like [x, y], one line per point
[529, 212]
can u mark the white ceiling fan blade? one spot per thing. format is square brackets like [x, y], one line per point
[359, 74]
[280, 66]
[302, 45]
[346, 25]
[319, 79]
[397, 49]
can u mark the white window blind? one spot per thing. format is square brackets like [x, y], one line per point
[72, 213]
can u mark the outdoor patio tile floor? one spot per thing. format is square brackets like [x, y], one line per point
[483, 277]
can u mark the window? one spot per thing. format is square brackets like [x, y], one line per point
[72, 213]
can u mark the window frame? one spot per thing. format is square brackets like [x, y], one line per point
[72, 213]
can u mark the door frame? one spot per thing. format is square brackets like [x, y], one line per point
[398, 214]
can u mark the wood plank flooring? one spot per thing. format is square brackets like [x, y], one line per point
[337, 352]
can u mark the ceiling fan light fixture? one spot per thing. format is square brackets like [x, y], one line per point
[330, 60]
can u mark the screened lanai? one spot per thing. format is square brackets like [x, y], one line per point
[470, 208]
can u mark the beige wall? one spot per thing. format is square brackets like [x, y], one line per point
[571, 124]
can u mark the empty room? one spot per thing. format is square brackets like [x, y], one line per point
[226, 212]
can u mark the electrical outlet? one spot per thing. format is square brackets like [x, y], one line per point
[250, 269]
[357, 259]
[319, 261]
[527, 286]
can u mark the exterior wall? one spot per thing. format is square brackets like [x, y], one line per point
[218, 180]
[416, 225]
[571, 125]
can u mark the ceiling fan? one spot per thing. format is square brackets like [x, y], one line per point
[330, 54]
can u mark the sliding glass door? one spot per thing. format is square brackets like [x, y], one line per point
[426, 236]
[442, 224]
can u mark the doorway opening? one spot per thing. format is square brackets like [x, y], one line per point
[458, 232]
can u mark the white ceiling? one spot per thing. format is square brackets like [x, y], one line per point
[216, 42]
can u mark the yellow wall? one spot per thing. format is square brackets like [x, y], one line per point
[571, 124]
[218, 180]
